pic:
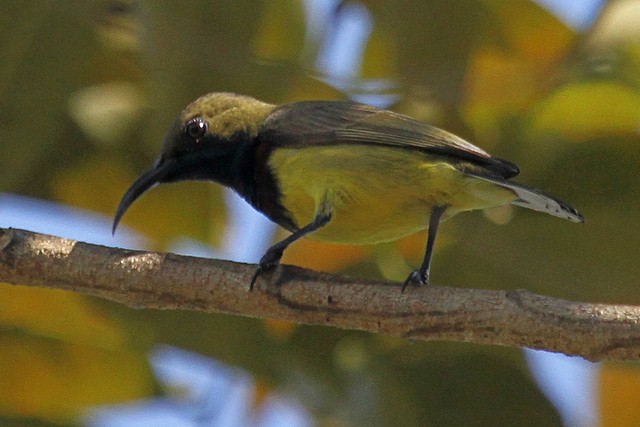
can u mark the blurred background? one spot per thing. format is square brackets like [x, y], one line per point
[87, 91]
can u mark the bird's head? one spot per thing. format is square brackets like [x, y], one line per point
[202, 144]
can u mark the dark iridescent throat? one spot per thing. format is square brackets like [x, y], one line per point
[249, 174]
[241, 163]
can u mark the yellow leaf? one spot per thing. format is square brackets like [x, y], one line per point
[530, 30]
[619, 395]
[59, 315]
[56, 382]
[324, 256]
[61, 353]
[507, 75]
[587, 110]
[279, 330]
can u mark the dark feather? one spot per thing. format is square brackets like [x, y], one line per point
[345, 122]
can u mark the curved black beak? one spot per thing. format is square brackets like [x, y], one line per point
[150, 178]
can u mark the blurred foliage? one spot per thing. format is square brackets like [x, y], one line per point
[620, 397]
[62, 354]
[87, 90]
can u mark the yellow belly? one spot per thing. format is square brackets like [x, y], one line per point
[375, 194]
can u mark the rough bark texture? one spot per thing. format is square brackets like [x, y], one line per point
[167, 281]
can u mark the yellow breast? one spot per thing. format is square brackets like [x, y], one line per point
[375, 194]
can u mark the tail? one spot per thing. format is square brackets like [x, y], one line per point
[531, 198]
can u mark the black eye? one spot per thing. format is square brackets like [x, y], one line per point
[195, 128]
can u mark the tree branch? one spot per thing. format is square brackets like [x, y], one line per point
[167, 281]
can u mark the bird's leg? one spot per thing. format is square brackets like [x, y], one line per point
[421, 276]
[273, 255]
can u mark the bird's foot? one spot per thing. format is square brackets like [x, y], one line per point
[418, 278]
[268, 262]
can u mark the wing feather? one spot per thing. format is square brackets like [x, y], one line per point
[345, 122]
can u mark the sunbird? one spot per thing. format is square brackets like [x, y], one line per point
[336, 171]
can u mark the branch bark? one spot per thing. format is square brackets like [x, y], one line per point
[166, 281]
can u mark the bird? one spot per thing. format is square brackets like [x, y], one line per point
[336, 171]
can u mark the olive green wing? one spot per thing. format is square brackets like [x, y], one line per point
[344, 122]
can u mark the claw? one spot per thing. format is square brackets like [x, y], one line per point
[259, 271]
[268, 262]
[272, 257]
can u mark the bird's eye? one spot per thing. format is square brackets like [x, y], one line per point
[195, 128]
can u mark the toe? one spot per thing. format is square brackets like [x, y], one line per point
[417, 278]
